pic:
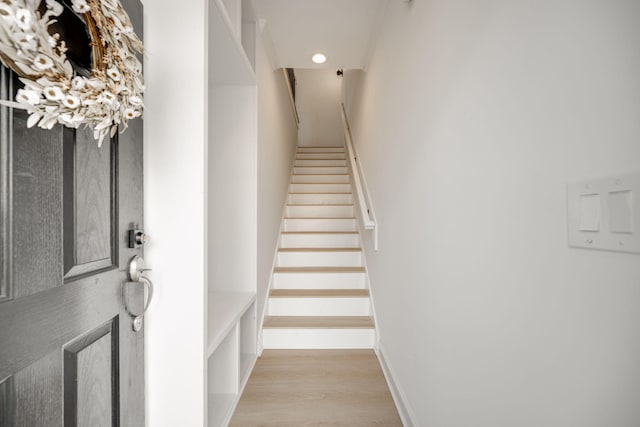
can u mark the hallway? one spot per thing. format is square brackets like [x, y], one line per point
[471, 120]
[316, 387]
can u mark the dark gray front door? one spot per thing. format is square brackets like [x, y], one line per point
[68, 353]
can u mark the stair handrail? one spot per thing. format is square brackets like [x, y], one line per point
[291, 88]
[362, 191]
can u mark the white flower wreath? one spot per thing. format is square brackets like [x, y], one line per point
[53, 91]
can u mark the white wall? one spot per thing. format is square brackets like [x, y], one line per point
[471, 119]
[277, 138]
[231, 188]
[174, 173]
[318, 98]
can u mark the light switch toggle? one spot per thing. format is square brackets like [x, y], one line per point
[620, 211]
[589, 212]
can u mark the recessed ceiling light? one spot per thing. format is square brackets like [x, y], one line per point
[319, 58]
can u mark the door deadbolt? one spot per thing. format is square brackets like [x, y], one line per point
[137, 238]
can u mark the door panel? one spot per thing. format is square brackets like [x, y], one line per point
[90, 204]
[68, 353]
[6, 391]
[91, 377]
[37, 399]
[36, 207]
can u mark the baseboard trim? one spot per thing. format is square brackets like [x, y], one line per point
[404, 409]
[259, 337]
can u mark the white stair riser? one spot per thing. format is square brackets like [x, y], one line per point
[323, 211]
[320, 163]
[318, 281]
[320, 188]
[319, 170]
[349, 306]
[304, 224]
[320, 199]
[319, 259]
[321, 156]
[320, 149]
[300, 179]
[280, 338]
[319, 241]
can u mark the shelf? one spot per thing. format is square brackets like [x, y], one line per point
[228, 59]
[220, 408]
[247, 361]
[224, 311]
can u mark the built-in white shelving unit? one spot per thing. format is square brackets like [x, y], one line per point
[231, 351]
[231, 347]
[225, 311]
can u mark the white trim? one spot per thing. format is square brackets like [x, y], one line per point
[405, 411]
[275, 259]
[269, 46]
[367, 282]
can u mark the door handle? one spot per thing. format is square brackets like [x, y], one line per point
[136, 277]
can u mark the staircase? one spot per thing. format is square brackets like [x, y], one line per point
[319, 297]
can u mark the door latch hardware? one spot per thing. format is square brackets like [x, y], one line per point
[136, 268]
[137, 238]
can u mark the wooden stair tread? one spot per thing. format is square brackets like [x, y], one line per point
[318, 293]
[320, 250]
[320, 204]
[319, 322]
[318, 269]
[322, 193]
[320, 183]
[314, 218]
[318, 232]
[320, 152]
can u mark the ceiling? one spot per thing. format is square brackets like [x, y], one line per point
[344, 30]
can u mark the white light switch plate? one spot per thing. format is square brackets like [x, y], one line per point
[605, 213]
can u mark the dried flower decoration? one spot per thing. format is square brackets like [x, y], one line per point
[53, 92]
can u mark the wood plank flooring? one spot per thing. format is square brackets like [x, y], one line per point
[292, 388]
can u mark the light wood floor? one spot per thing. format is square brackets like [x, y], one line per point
[316, 388]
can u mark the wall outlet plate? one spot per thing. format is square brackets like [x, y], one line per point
[605, 213]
